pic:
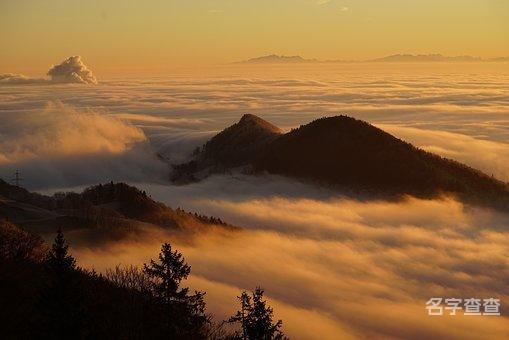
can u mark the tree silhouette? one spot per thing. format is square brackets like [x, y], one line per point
[58, 259]
[180, 306]
[255, 318]
[61, 301]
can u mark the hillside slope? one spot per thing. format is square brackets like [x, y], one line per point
[111, 206]
[40, 302]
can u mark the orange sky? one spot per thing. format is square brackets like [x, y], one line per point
[136, 35]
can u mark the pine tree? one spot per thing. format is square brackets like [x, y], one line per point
[58, 259]
[61, 300]
[188, 310]
[255, 318]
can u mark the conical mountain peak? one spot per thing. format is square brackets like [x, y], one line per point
[250, 120]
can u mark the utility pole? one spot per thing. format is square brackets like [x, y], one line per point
[17, 179]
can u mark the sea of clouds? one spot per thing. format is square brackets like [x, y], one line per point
[351, 269]
[462, 114]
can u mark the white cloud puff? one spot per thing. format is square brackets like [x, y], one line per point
[72, 70]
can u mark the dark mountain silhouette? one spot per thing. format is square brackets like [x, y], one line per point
[351, 155]
[235, 146]
[22, 195]
[110, 207]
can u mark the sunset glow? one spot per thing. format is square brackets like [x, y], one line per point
[129, 36]
[254, 170]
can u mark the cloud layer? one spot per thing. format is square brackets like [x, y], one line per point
[460, 114]
[11, 78]
[60, 146]
[350, 269]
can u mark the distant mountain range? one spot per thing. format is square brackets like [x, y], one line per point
[343, 153]
[426, 58]
[395, 58]
[269, 59]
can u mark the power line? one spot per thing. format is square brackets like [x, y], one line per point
[16, 179]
